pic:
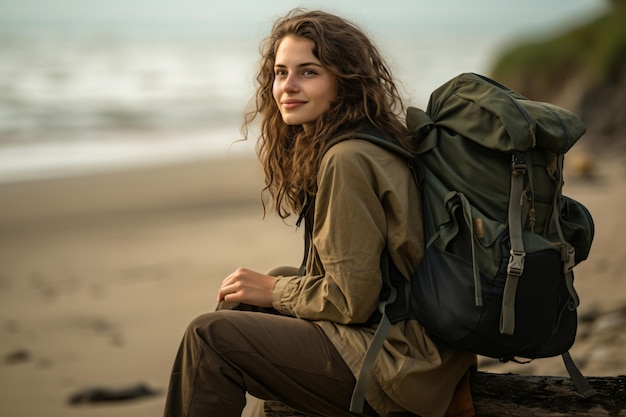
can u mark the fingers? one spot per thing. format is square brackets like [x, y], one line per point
[248, 287]
[225, 290]
[229, 294]
[232, 285]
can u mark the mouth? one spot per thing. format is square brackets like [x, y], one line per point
[292, 104]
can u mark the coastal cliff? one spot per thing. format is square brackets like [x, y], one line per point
[583, 70]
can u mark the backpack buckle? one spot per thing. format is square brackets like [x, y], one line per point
[518, 163]
[516, 263]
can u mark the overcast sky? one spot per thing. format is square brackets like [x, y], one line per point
[508, 15]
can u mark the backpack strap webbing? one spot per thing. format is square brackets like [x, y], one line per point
[362, 382]
[515, 268]
[568, 253]
[577, 378]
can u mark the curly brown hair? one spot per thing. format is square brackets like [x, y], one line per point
[366, 93]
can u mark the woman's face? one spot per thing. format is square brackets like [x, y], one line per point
[303, 88]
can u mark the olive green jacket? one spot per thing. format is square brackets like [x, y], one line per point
[367, 199]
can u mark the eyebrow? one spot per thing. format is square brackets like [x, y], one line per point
[305, 64]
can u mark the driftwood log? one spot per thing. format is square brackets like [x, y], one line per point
[510, 395]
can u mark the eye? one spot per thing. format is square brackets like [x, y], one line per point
[279, 72]
[309, 73]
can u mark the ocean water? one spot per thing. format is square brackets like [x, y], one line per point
[78, 96]
[70, 103]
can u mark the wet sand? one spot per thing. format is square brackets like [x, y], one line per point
[100, 274]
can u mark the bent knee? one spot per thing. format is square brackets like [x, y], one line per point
[217, 329]
[283, 271]
[206, 321]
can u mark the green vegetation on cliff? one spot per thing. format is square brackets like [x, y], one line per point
[596, 50]
[583, 70]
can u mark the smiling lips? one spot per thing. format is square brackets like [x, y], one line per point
[292, 103]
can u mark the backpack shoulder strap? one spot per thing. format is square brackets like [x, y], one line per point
[376, 138]
[360, 389]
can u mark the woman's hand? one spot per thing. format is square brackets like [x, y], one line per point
[249, 287]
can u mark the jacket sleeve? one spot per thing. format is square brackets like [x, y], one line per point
[349, 234]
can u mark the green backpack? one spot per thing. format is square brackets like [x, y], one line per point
[501, 239]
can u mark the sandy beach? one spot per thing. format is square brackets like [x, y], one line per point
[100, 274]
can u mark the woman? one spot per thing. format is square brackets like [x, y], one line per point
[321, 78]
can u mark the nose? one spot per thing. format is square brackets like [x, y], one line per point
[290, 84]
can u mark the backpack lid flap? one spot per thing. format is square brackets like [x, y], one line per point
[557, 129]
[420, 125]
[498, 118]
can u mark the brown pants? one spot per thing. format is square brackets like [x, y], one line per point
[226, 353]
[242, 348]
